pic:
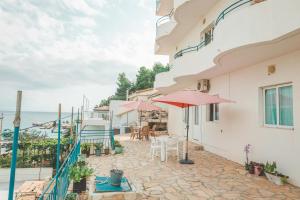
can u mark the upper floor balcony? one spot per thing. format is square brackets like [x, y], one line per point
[173, 26]
[244, 33]
[163, 7]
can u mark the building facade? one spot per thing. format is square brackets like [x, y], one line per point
[244, 50]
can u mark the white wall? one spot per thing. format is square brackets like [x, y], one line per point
[247, 27]
[241, 122]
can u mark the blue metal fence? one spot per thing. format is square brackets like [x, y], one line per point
[106, 137]
[58, 186]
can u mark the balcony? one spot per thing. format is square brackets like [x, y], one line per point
[178, 22]
[164, 26]
[265, 30]
[163, 7]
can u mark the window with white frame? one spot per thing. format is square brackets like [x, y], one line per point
[213, 112]
[278, 106]
[196, 115]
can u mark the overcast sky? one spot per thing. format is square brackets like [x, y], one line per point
[58, 50]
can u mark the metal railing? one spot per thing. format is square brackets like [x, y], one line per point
[230, 9]
[189, 49]
[58, 186]
[220, 17]
[164, 19]
[106, 137]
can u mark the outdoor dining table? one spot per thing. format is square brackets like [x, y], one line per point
[164, 139]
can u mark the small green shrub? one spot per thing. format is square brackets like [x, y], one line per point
[71, 196]
[79, 171]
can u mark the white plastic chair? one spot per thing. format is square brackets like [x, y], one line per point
[155, 147]
[172, 145]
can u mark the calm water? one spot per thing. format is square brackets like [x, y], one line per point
[27, 118]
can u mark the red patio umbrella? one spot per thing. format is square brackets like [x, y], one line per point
[140, 106]
[185, 99]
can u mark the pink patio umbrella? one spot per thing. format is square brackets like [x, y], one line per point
[185, 99]
[140, 106]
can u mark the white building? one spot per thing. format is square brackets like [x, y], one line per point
[98, 119]
[250, 53]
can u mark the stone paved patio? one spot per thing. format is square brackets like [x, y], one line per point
[211, 177]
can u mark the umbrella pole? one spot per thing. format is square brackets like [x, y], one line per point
[140, 125]
[186, 160]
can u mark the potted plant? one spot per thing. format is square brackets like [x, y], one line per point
[85, 149]
[106, 150]
[78, 173]
[98, 148]
[247, 151]
[118, 147]
[71, 196]
[251, 167]
[258, 169]
[273, 175]
[116, 177]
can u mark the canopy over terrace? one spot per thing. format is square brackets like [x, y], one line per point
[140, 106]
[185, 99]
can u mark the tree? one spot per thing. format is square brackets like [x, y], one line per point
[123, 84]
[144, 79]
[104, 102]
[159, 68]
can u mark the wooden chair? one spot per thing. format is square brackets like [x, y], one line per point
[133, 133]
[152, 131]
[145, 132]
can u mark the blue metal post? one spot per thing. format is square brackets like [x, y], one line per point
[77, 125]
[17, 122]
[58, 149]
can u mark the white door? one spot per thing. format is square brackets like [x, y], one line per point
[196, 123]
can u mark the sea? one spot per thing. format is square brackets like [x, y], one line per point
[30, 117]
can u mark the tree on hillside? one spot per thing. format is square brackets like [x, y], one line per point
[143, 79]
[158, 68]
[146, 77]
[123, 84]
[104, 102]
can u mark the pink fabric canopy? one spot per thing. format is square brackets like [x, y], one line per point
[140, 106]
[186, 98]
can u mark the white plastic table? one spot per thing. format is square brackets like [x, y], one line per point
[163, 144]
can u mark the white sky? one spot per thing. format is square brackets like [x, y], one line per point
[58, 50]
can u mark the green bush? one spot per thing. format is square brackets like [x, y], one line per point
[79, 171]
[71, 196]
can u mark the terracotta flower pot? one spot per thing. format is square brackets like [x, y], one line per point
[258, 169]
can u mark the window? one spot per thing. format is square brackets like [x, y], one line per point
[213, 112]
[196, 115]
[278, 106]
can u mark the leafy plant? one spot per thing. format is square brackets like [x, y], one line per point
[85, 147]
[71, 196]
[99, 146]
[118, 144]
[271, 168]
[78, 171]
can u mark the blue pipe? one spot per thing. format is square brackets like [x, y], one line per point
[58, 150]
[13, 164]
